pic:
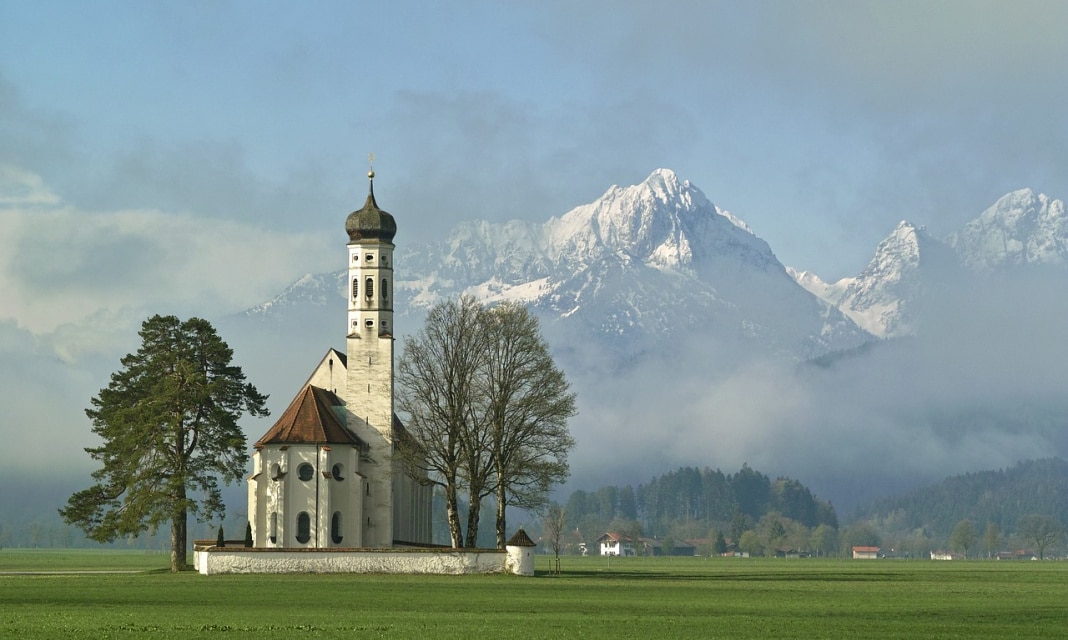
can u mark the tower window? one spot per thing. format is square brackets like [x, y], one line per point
[385, 290]
[337, 472]
[370, 287]
[274, 527]
[303, 527]
[370, 323]
[355, 287]
[305, 472]
[370, 257]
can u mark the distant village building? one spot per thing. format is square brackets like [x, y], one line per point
[325, 474]
[616, 544]
[865, 553]
[661, 547]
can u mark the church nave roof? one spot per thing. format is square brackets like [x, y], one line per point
[310, 419]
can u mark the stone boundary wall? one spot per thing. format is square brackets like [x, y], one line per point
[220, 560]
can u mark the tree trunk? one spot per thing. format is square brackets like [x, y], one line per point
[456, 535]
[178, 541]
[473, 507]
[502, 506]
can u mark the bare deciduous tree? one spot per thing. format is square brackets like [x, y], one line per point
[435, 379]
[554, 521]
[527, 405]
[1041, 531]
[487, 410]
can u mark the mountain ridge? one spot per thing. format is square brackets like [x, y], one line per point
[640, 266]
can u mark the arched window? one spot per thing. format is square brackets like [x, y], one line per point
[335, 527]
[274, 527]
[370, 287]
[303, 527]
[305, 472]
[337, 472]
[385, 290]
[355, 287]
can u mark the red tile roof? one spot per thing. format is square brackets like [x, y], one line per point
[310, 419]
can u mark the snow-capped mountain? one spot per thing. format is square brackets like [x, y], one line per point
[643, 268]
[884, 298]
[1022, 228]
[639, 266]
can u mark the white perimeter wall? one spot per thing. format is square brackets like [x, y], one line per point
[217, 560]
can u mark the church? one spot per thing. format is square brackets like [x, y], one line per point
[325, 475]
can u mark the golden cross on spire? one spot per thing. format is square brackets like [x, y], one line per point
[371, 163]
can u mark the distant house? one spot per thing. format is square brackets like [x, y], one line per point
[790, 552]
[941, 555]
[617, 544]
[655, 547]
[1019, 554]
[865, 553]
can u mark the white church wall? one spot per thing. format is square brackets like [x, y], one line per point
[370, 393]
[330, 375]
[231, 560]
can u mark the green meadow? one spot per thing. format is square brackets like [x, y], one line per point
[593, 598]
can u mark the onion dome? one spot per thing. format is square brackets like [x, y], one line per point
[370, 222]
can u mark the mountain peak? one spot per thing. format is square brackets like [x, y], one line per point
[1021, 228]
[881, 297]
[664, 183]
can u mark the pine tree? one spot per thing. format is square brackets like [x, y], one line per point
[168, 420]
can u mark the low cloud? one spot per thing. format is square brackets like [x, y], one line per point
[981, 388]
[65, 267]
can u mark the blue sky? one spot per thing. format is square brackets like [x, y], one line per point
[195, 157]
[821, 124]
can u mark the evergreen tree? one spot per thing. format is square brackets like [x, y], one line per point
[168, 420]
[720, 546]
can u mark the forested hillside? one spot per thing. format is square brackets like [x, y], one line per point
[995, 503]
[706, 505]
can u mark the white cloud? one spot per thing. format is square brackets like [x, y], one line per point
[77, 274]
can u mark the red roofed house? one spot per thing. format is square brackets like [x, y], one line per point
[325, 475]
[865, 553]
[617, 544]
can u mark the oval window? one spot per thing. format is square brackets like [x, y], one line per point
[303, 527]
[335, 528]
[305, 472]
[336, 471]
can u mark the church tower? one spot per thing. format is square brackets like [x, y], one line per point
[325, 475]
[369, 389]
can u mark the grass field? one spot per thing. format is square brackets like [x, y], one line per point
[628, 598]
